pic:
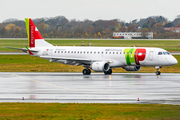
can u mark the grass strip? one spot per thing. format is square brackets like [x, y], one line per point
[27, 63]
[169, 45]
[90, 111]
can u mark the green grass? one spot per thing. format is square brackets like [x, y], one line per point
[29, 111]
[27, 63]
[170, 45]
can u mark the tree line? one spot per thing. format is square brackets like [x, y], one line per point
[61, 27]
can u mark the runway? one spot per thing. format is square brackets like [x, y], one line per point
[94, 88]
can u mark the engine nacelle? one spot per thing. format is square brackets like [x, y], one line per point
[100, 66]
[132, 68]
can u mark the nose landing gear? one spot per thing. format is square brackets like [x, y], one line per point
[158, 70]
[158, 73]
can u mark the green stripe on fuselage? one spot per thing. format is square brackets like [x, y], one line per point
[129, 55]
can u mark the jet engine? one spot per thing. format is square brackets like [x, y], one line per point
[100, 66]
[132, 68]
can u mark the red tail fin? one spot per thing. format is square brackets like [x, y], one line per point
[34, 37]
[32, 31]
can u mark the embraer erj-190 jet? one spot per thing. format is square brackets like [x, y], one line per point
[98, 59]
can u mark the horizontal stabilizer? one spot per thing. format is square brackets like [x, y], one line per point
[23, 49]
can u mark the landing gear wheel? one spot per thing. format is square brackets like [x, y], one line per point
[158, 70]
[86, 72]
[89, 71]
[158, 73]
[109, 72]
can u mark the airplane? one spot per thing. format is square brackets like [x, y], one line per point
[98, 59]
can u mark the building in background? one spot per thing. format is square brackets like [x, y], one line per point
[132, 35]
[173, 29]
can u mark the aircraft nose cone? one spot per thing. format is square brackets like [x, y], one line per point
[174, 61]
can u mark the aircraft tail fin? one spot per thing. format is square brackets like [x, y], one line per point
[34, 37]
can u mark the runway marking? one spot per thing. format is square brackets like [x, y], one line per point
[39, 81]
[48, 83]
[88, 90]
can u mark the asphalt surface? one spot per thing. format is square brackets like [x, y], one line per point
[94, 88]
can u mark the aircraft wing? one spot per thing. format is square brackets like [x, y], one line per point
[69, 61]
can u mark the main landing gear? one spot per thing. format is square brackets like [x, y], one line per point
[109, 72]
[86, 72]
[158, 70]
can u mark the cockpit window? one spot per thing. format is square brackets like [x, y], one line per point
[165, 53]
[159, 53]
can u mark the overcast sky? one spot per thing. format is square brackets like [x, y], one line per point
[126, 10]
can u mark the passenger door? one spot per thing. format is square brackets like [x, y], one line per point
[151, 55]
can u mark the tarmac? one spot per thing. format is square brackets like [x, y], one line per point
[139, 88]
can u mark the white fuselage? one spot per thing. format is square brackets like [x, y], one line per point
[116, 56]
